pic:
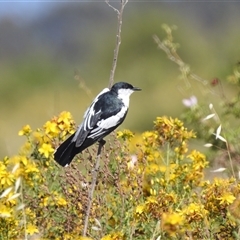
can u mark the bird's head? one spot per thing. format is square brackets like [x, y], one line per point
[124, 89]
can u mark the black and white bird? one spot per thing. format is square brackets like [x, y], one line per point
[107, 111]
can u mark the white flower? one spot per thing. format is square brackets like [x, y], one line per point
[190, 102]
[132, 162]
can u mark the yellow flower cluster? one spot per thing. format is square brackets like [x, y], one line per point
[22, 178]
[172, 223]
[14, 173]
[150, 186]
[173, 132]
[174, 186]
[125, 134]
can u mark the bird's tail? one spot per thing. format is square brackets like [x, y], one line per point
[66, 152]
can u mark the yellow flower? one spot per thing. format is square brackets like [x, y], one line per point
[172, 218]
[195, 211]
[113, 236]
[61, 201]
[140, 208]
[5, 211]
[37, 137]
[30, 213]
[192, 207]
[149, 138]
[82, 238]
[51, 128]
[65, 117]
[46, 149]
[31, 167]
[65, 123]
[227, 198]
[24, 160]
[44, 201]
[119, 134]
[199, 160]
[125, 134]
[171, 223]
[152, 168]
[107, 237]
[25, 149]
[7, 179]
[151, 199]
[153, 191]
[26, 130]
[172, 131]
[3, 169]
[31, 229]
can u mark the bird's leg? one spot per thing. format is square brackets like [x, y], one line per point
[93, 185]
[101, 144]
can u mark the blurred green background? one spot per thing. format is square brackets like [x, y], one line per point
[43, 45]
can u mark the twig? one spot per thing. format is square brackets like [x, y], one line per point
[173, 56]
[111, 80]
[169, 53]
[118, 38]
[93, 185]
[82, 84]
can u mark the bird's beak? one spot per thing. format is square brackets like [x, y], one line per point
[137, 89]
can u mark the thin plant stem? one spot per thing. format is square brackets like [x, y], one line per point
[230, 159]
[23, 213]
[217, 118]
[111, 81]
[118, 38]
[173, 56]
[168, 164]
[156, 230]
[93, 185]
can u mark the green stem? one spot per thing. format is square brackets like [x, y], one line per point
[23, 212]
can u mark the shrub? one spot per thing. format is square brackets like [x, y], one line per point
[150, 186]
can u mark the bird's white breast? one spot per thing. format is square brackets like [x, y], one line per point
[124, 95]
[112, 121]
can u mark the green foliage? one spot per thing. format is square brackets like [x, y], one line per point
[216, 124]
[150, 186]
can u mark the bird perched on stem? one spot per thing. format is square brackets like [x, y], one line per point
[107, 111]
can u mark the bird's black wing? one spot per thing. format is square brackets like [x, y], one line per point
[91, 117]
[112, 113]
[77, 142]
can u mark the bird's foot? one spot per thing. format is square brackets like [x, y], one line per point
[101, 144]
